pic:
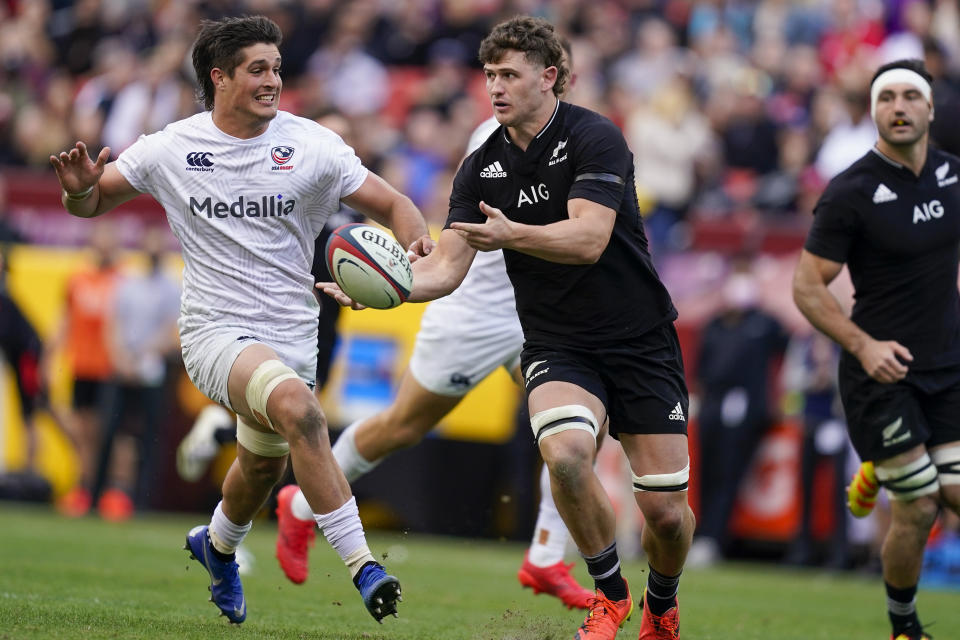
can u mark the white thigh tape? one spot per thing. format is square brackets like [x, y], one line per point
[263, 381]
[268, 445]
[571, 416]
[948, 464]
[663, 481]
[911, 481]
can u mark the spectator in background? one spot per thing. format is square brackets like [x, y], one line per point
[810, 372]
[341, 60]
[421, 156]
[915, 17]
[82, 334]
[853, 134]
[9, 233]
[43, 126]
[114, 67]
[739, 347]
[141, 334]
[946, 97]
[672, 144]
[156, 96]
[653, 63]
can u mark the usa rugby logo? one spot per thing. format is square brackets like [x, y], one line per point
[281, 156]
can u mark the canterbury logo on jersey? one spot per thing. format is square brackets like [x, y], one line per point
[883, 194]
[494, 170]
[942, 179]
[200, 161]
[264, 207]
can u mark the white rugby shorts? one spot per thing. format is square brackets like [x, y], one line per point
[457, 347]
[209, 354]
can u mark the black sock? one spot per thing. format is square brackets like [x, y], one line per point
[661, 591]
[902, 609]
[223, 557]
[604, 568]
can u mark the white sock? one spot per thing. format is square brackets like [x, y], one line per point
[300, 508]
[550, 535]
[226, 536]
[345, 451]
[344, 532]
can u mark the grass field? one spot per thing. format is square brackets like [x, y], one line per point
[90, 579]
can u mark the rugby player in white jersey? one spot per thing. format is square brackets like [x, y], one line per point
[463, 338]
[246, 188]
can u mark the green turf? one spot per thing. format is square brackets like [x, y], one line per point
[90, 579]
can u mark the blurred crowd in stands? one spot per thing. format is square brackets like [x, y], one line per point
[729, 106]
[736, 111]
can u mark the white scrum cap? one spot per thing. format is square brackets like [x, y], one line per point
[898, 75]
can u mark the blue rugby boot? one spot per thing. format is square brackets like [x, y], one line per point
[225, 589]
[379, 590]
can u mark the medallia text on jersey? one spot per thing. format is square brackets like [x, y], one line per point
[265, 206]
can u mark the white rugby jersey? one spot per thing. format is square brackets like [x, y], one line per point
[246, 213]
[486, 285]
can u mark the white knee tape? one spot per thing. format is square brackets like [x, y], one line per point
[911, 481]
[948, 464]
[559, 419]
[263, 381]
[662, 481]
[268, 445]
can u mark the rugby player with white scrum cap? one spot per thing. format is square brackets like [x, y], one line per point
[893, 217]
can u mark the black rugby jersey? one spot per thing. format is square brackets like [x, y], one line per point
[578, 154]
[899, 235]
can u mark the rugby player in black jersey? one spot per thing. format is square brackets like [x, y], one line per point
[553, 186]
[893, 217]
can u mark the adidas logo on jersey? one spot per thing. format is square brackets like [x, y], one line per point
[677, 413]
[942, 179]
[493, 171]
[883, 194]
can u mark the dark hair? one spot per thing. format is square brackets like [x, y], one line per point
[913, 64]
[535, 38]
[219, 44]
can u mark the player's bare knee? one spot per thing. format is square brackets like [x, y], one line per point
[570, 470]
[567, 436]
[950, 497]
[665, 517]
[300, 420]
[263, 471]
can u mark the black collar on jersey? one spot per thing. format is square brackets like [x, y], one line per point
[904, 169]
[526, 162]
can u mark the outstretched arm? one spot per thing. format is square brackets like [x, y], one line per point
[880, 359]
[90, 187]
[581, 239]
[434, 276]
[378, 200]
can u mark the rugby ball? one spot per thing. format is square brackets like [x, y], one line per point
[369, 265]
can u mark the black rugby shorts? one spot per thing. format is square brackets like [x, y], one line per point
[640, 381]
[887, 419]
